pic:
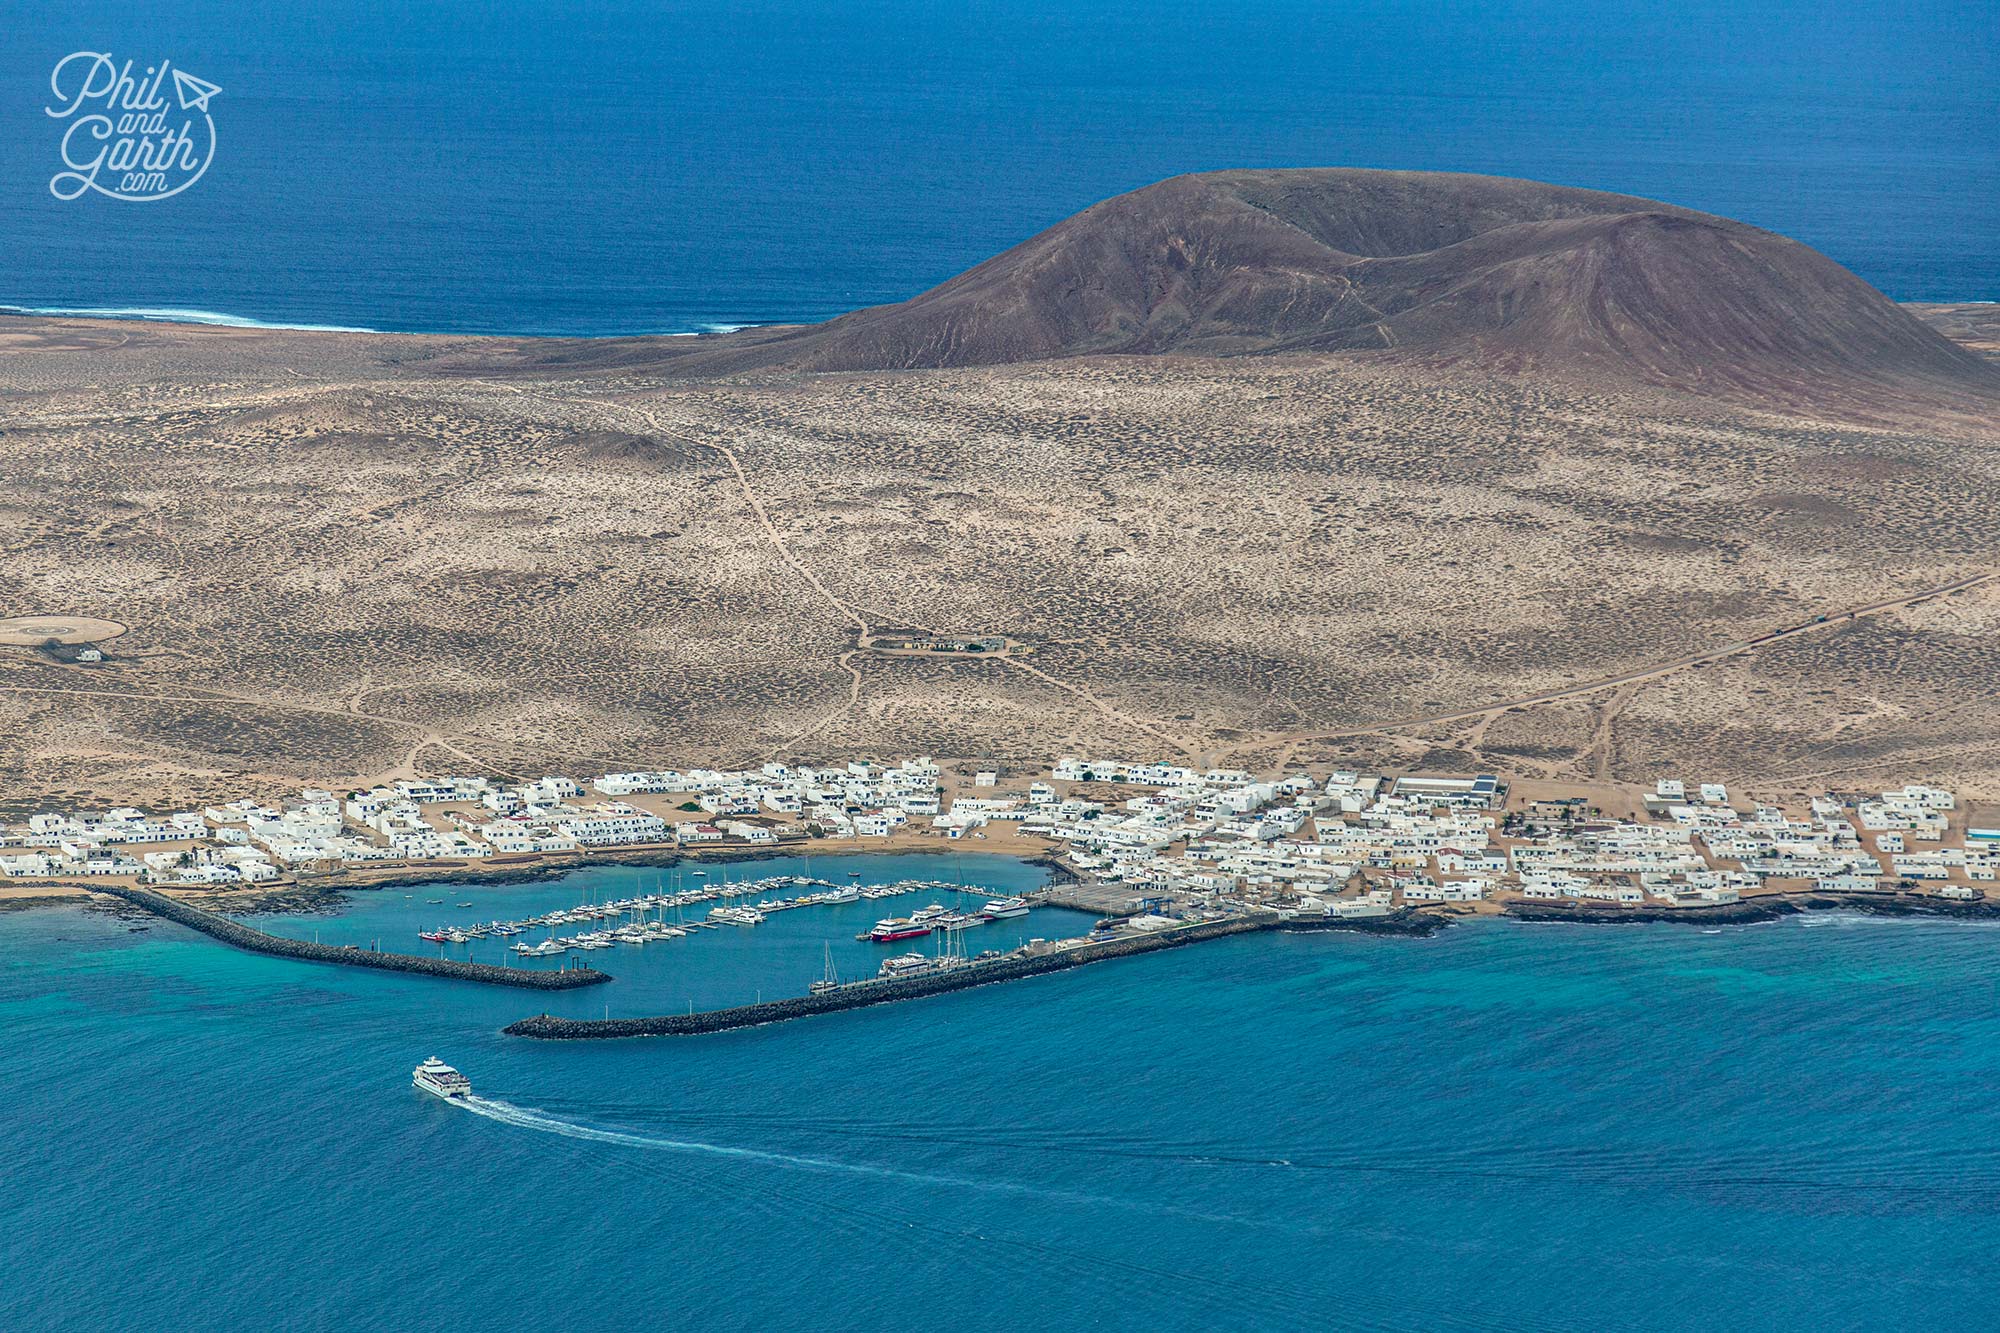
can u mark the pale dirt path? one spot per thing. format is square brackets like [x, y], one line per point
[1639, 677]
[845, 608]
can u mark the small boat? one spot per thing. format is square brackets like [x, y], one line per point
[434, 936]
[465, 904]
[440, 1079]
[435, 902]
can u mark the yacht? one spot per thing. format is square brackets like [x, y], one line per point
[1000, 909]
[830, 981]
[436, 1077]
[906, 965]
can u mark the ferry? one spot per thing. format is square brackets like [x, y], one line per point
[1000, 909]
[436, 1077]
[909, 964]
[898, 928]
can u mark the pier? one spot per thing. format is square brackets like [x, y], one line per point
[860, 994]
[240, 936]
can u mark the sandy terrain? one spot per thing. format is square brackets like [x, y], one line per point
[337, 564]
[32, 631]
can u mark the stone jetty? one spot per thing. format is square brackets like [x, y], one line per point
[861, 994]
[241, 936]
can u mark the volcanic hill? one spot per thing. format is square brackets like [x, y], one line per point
[1509, 275]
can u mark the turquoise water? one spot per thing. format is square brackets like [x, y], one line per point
[1789, 1126]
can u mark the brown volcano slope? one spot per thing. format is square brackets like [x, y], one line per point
[1511, 274]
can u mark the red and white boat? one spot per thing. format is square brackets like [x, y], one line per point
[898, 928]
[437, 936]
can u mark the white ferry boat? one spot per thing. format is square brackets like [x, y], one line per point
[437, 1077]
[909, 964]
[1000, 909]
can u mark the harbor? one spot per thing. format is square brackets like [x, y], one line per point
[925, 950]
[810, 919]
[676, 912]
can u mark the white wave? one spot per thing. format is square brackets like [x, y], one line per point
[176, 315]
[528, 1118]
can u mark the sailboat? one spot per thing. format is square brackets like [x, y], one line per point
[829, 982]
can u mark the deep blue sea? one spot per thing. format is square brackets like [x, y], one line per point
[669, 165]
[1787, 1126]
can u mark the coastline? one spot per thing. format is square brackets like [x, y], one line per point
[1749, 911]
[327, 893]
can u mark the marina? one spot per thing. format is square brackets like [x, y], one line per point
[668, 913]
[718, 963]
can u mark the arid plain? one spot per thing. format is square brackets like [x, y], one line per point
[338, 557]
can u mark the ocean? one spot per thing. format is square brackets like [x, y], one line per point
[1783, 1126]
[629, 166]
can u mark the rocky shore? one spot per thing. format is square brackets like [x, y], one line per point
[1408, 922]
[1771, 907]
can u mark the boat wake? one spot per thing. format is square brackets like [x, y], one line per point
[529, 1118]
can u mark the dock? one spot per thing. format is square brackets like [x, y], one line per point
[861, 994]
[238, 935]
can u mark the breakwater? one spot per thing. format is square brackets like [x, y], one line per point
[240, 936]
[1768, 907]
[861, 994]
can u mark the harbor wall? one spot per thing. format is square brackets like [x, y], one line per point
[240, 936]
[862, 994]
[1766, 907]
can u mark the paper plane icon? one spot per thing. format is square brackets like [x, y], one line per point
[194, 93]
